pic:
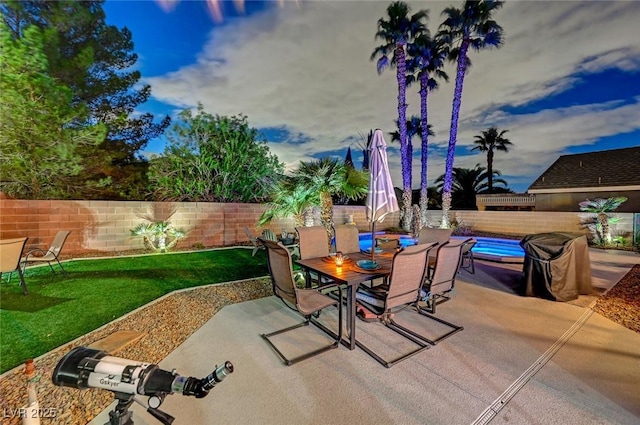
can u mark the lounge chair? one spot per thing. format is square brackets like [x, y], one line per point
[268, 235]
[402, 290]
[51, 255]
[10, 253]
[307, 302]
[439, 284]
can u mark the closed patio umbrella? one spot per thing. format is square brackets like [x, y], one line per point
[381, 198]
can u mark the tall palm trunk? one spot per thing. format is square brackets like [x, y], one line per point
[424, 197]
[326, 214]
[605, 236]
[453, 135]
[405, 152]
[490, 169]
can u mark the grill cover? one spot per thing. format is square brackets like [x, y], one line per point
[556, 266]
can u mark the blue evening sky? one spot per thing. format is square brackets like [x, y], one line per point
[567, 79]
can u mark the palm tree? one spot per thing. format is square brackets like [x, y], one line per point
[328, 177]
[397, 32]
[466, 184]
[489, 141]
[473, 27]
[289, 199]
[426, 57]
[602, 208]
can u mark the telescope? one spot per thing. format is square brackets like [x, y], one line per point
[84, 368]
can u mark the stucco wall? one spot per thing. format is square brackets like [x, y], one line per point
[106, 225]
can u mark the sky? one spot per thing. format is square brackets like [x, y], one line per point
[566, 80]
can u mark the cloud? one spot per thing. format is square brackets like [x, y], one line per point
[307, 69]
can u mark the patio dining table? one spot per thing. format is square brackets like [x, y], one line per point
[348, 274]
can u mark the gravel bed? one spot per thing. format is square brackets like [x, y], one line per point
[621, 304]
[164, 330]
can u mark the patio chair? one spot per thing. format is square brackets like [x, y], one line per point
[402, 290]
[257, 246]
[432, 234]
[313, 242]
[439, 285]
[307, 302]
[388, 244]
[49, 256]
[269, 235]
[347, 239]
[10, 253]
[466, 262]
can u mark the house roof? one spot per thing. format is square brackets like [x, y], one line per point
[603, 169]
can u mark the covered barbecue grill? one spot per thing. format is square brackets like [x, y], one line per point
[556, 266]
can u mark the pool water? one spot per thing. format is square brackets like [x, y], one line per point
[493, 249]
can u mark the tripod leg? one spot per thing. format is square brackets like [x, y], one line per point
[121, 415]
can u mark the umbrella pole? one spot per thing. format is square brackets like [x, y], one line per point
[373, 240]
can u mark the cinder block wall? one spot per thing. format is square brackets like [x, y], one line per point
[106, 225]
[531, 222]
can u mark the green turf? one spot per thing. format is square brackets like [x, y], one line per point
[61, 308]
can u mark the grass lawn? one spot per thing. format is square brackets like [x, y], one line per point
[61, 308]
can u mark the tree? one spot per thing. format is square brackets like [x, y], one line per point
[426, 58]
[290, 199]
[602, 207]
[40, 131]
[215, 159]
[328, 177]
[413, 128]
[467, 183]
[95, 61]
[489, 141]
[397, 32]
[469, 27]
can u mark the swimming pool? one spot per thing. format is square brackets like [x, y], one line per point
[492, 249]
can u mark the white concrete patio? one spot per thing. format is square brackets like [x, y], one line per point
[519, 360]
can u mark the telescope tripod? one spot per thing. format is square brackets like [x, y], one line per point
[120, 415]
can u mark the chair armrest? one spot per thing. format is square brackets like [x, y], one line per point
[32, 251]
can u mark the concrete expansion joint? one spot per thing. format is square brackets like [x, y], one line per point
[495, 407]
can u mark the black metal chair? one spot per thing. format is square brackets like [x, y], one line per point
[307, 302]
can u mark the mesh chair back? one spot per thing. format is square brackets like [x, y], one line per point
[448, 259]
[58, 242]
[431, 234]
[281, 270]
[407, 274]
[10, 253]
[347, 238]
[388, 244]
[313, 242]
